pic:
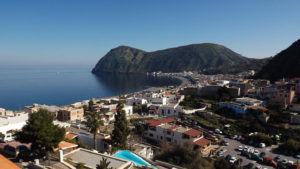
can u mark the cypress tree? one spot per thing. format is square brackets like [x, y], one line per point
[121, 128]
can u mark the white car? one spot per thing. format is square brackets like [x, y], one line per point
[232, 160]
[251, 150]
[218, 131]
[256, 152]
[285, 161]
[262, 145]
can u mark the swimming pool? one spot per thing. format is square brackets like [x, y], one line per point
[127, 155]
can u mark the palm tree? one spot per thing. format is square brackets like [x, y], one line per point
[103, 164]
[93, 123]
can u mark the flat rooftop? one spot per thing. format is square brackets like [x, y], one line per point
[91, 159]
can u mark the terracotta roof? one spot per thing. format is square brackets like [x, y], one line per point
[114, 110]
[193, 133]
[251, 91]
[280, 84]
[173, 127]
[65, 145]
[6, 164]
[155, 111]
[202, 142]
[257, 108]
[156, 122]
[70, 136]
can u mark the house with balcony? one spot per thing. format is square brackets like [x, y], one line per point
[165, 130]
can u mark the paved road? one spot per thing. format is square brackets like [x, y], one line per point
[233, 144]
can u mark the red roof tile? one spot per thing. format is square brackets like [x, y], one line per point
[193, 133]
[156, 122]
[202, 142]
[70, 136]
[6, 164]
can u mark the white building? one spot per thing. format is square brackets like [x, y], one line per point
[249, 101]
[133, 101]
[110, 116]
[163, 130]
[222, 82]
[128, 110]
[9, 124]
[170, 110]
[155, 98]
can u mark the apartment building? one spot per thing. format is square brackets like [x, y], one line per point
[70, 114]
[283, 96]
[165, 130]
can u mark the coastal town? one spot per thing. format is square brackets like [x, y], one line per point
[232, 121]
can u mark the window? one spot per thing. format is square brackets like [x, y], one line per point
[151, 135]
[168, 132]
[161, 137]
[186, 136]
[169, 111]
[169, 139]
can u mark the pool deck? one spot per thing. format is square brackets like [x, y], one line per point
[91, 159]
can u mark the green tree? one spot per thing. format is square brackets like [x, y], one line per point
[104, 164]
[41, 132]
[291, 146]
[223, 94]
[91, 103]
[93, 123]
[121, 129]
[261, 138]
[183, 155]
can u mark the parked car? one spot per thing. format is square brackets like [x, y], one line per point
[262, 145]
[228, 157]
[297, 156]
[248, 166]
[218, 131]
[233, 160]
[256, 152]
[262, 154]
[238, 161]
[257, 157]
[25, 156]
[258, 167]
[277, 158]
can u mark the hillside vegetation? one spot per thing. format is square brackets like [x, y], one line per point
[206, 57]
[285, 64]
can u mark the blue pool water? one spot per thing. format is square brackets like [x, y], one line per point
[131, 157]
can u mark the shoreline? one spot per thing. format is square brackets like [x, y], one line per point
[183, 81]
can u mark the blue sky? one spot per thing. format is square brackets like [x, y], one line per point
[80, 32]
